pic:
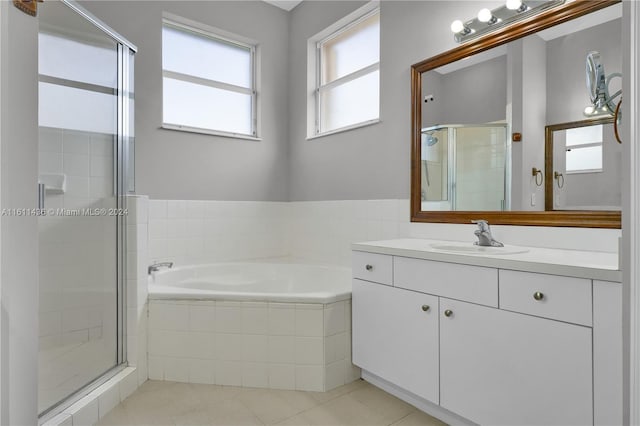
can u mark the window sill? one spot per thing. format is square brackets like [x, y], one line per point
[209, 132]
[345, 129]
[586, 171]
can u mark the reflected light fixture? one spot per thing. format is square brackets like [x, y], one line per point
[490, 20]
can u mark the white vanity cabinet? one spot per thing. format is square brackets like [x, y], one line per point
[503, 368]
[493, 345]
[395, 334]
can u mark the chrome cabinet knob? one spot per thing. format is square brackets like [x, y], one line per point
[369, 267]
[538, 295]
[425, 308]
[448, 313]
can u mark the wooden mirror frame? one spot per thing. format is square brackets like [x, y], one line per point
[575, 218]
[548, 153]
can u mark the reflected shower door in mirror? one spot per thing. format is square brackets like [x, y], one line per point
[500, 93]
[464, 167]
[583, 165]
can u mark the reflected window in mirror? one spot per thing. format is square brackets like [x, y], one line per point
[583, 149]
[584, 164]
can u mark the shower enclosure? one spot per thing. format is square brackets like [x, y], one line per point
[465, 167]
[84, 114]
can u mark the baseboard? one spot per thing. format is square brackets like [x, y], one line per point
[420, 403]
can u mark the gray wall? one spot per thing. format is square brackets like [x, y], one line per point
[372, 162]
[179, 165]
[18, 245]
[534, 101]
[473, 95]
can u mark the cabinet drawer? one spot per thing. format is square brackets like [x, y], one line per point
[372, 267]
[550, 296]
[463, 282]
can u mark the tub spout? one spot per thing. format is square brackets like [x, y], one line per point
[157, 266]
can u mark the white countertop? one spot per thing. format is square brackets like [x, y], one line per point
[574, 263]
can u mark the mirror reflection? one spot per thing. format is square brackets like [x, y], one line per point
[585, 163]
[474, 109]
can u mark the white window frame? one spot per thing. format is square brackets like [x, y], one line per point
[585, 145]
[224, 37]
[315, 63]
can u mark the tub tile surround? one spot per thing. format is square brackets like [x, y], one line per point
[251, 344]
[195, 232]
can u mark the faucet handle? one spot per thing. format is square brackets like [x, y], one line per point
[483, 225]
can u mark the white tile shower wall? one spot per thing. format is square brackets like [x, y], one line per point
[193, 232]
[254, 344]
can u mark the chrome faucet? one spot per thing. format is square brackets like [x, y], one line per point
[484, 235]
[156, 266]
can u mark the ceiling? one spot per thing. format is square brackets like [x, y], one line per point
[284, 4]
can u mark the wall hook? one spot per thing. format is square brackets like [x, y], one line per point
[537, 173]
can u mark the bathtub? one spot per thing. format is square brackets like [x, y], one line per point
[266, 325]
[273, 282]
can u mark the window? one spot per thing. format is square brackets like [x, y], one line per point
[208, 82]
[348, 75]
[584, 149]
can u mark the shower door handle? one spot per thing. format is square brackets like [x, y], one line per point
[41, 194]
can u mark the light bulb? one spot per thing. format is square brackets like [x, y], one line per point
[589, 110]
[457, 26]
[514, 4]
[485, 15]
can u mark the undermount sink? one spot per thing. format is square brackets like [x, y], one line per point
[477, 250]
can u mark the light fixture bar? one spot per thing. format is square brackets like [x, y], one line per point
[500, 17]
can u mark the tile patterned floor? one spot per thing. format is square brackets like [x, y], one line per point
[169, 403]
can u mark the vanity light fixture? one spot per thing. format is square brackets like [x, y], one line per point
[487, 17]
[490, 20]
[458, 27]
[516, 5]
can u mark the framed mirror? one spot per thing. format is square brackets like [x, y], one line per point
[483, 123]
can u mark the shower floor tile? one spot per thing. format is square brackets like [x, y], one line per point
[169, 403]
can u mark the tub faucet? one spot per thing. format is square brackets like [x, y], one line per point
[484, 235]
[156, 266]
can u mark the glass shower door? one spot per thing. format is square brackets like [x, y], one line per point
[480, 167]
[80, 336]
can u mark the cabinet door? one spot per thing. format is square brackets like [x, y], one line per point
[395, 336]
[505, 368]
